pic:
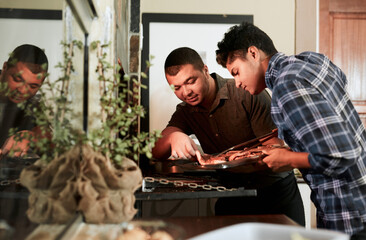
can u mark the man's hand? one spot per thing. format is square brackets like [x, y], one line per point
[174, 143]
[182, 146]
[283, 159]
[19, 148]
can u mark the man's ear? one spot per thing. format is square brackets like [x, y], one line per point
[5, 66]
[205, 70]
[254, 52]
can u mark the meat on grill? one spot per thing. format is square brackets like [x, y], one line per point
[208, 159]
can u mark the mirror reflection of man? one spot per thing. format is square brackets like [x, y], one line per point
[22, 76]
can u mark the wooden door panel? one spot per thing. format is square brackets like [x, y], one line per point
[349, 50]
[342, 37]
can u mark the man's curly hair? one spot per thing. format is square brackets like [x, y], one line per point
[237, 41]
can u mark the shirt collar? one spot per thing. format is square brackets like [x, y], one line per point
[222, 92]
[221, 89]
[273, 69]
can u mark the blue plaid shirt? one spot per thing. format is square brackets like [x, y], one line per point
[314, 114]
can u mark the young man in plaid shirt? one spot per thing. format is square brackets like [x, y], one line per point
[315, 117]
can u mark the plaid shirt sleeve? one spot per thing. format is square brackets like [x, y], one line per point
[314, 123]
[314, 114]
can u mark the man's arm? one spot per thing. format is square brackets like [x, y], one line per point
[20, 142]
[282, 159]
[19, 147]
[318, 133]
[175, 143]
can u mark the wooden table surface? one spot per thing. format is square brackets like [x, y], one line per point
[194, 226]
[190, 226]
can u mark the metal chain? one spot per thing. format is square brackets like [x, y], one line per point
[191, 185]
[8, 182]
[159, 180]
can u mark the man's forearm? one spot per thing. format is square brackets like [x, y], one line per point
[162, 149]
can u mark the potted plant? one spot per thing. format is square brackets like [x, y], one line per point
[92, 173]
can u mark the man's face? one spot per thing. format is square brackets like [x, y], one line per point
[22, 83]
[190, 84]
[248, 74]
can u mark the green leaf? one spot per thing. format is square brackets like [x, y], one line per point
[143, 75]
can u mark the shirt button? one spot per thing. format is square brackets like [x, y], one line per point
[216, 134]
[210, 115]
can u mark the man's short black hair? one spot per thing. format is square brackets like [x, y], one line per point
[182, 56]
[28, 53]
[239, 38]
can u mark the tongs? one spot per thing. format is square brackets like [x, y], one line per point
[256, 142]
